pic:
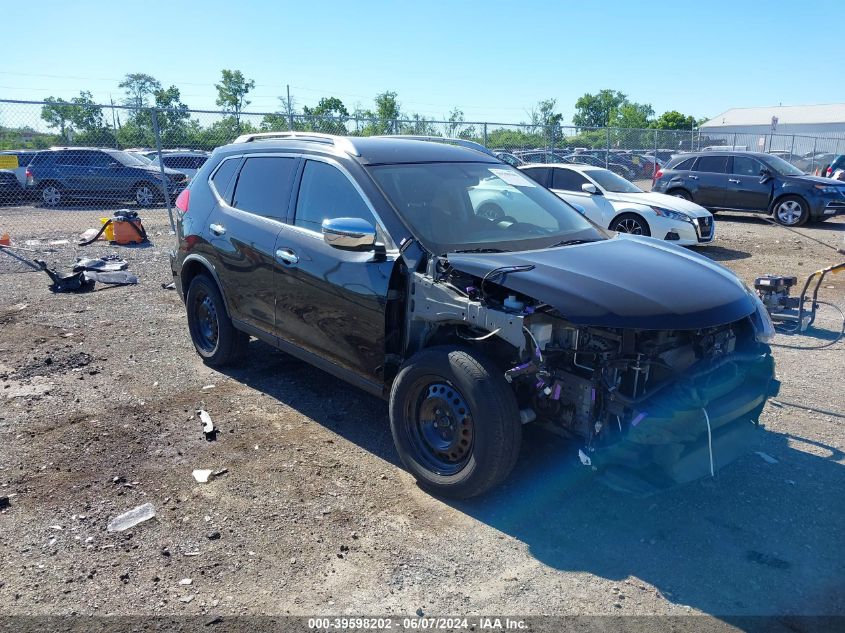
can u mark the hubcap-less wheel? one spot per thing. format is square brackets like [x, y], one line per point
[440, 427]
[51, 195]
[630, 225]
[144, 196]
[208, 326]
[789, 212]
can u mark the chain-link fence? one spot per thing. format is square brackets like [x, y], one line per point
[66, 166]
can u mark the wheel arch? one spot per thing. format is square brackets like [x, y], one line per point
[195, 265]
[787, 194]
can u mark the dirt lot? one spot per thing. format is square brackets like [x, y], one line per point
[98, 400]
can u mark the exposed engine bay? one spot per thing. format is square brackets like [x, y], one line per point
[647, 408]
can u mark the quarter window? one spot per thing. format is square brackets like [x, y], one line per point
[264, 185]
[568, 180]
[223, 176]
[539, 175]
[326, 193]
[685, 165]
[713, 164]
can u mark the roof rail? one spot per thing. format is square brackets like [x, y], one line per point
[340, 142]
[445, 139]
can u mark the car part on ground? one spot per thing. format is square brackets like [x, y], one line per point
[384, 262]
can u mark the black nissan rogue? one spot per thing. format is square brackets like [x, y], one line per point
[474, 301]
[751, 181]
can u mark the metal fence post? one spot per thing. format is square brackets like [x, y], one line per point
[485, 135]
[654, 171]
[734, 145]
[813, 164]
[164, 180]
[607, 149]
[792, 148]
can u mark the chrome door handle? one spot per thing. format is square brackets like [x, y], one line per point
[217, 229]
[693, 177]
[733, 180]
[287, 256]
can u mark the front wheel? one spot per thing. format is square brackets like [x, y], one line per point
[455, 421]
[630, 223]
[791, 211]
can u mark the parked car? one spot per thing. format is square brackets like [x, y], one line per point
[538, 156]
[17, 161]
[141, 154]
[613, 202]
[751, 181]
[372, 259]
[186, 161]
[838, 163]
[584, 158]
[507, 157]
[99, 174]
[637, 167]
[11, 191]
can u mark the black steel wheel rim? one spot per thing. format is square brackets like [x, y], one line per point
[439, 426]
[207, 327]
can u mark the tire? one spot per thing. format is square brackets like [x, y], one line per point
[630, 223]
[51, 194]
[478, 445]
[214, 337]
[145, 194]
[681, 193]
[791, 211]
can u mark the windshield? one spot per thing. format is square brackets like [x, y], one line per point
[782, 167]
[124, 158]
[611, 182]
[479, 206]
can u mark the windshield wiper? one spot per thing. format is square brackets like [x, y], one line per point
[571, 243]
[481, 250]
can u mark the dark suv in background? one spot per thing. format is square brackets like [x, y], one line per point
[751, 181]
[475, 301]
[99, 174]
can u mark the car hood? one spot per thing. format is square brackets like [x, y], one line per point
[155, 169]
[624, 282]
[673, 203]
[811, 180]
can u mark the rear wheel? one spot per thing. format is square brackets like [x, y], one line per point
[630, 223]
[51, 194]
[145, 195]
[455, 421]
[791, 211]
[212, 333]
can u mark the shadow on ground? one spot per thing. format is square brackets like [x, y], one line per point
[761, 539]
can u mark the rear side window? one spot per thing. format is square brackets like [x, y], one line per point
[713, 164]
[684, 165]
[326, 193]
[568, 180]
[538, 174]
[223, 176]
[264, 185]
[43, 158]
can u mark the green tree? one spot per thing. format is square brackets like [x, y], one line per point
[57, 113]
[382, 120]
[596, 110]
[232, 91]
[139, 89]
[86, 115]
[326, 116]
[455, 122]
[632, 115]
[674, 120]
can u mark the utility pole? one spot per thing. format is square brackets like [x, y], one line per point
[290, 110]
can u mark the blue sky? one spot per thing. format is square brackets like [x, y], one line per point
[493, 59]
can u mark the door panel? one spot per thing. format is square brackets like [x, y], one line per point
[745, 191]
[331, 302]
[711, 181]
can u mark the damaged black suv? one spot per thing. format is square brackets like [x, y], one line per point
[475, 301]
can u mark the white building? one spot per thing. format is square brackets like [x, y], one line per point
[819, 128]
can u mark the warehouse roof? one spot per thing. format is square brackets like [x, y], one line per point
[786, 115]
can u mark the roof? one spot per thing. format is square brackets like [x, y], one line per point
[786, 115]
[572, 166]
[373, 150]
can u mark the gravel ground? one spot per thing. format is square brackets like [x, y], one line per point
[314, 514]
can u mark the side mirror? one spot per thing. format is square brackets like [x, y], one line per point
[765, 174]
[590, 188]
[351, 234]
